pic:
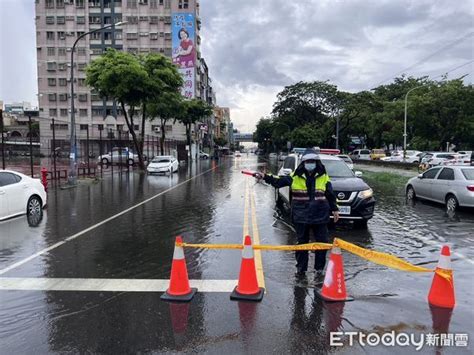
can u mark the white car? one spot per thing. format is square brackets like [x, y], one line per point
[412, 156]
[203, 155]
[163, 164]
[436, 158]
[118, 156]
[20, 194]
[360, 154]
[237, 153]
[450, 185]
[459, 159]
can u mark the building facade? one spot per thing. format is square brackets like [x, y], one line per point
[149, 29]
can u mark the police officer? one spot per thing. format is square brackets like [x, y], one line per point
[312, 201]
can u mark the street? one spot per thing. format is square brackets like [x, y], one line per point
[123, 227]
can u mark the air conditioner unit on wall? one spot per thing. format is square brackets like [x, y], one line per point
[157, 129]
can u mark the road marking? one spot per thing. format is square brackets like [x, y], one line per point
[108, 285]
[72, 237]
[256, 239]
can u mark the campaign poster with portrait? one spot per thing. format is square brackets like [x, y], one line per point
[184, 49]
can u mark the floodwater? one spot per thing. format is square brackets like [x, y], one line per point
[205, 203]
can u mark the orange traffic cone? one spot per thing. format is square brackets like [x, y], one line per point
[334, 286]
[442, 290]
[247, 288]
[179, 289]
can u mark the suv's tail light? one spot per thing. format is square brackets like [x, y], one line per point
[470, 188]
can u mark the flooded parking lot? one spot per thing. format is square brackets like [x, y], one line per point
[206, 204]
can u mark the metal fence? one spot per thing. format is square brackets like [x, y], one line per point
[51, 150]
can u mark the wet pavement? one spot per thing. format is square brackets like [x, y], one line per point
[205, 204]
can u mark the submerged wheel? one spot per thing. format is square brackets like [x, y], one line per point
[452, 203]
[411, 195]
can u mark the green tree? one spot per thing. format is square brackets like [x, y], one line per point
[306, 136]
[220, 141]
[193, 111]
[164, 100]
[120, 76]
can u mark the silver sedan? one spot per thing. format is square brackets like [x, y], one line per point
[452, 186]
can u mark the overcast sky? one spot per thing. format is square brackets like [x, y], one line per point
[255, 47]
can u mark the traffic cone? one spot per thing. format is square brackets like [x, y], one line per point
[442, 290]
[179, 289]
[247, 289]
[334, 286]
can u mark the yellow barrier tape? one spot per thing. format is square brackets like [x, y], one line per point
[385, 259]
[309, 246]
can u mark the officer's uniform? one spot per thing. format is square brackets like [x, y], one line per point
[311, 204]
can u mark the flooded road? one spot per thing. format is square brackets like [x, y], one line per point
[123, 228]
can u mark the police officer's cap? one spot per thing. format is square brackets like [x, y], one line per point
[310, 154]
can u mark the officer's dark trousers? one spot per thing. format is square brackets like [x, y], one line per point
[321, 235]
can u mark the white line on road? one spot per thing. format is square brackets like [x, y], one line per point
[72, 237]
[108, 285]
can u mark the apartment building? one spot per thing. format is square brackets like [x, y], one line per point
[149, 28]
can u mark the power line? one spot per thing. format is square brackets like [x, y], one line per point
[453, 69]
[427, 57]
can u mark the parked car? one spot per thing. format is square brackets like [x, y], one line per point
[376, 154]
[412, 156]
[346, 160]
[237, 153]
[458, 159]
[203, 155]
[118, 156]
[282, 157]
[360, 154]
[20, 194]
[435, 158]
[452, 186]
[355, 198]
[163, 164]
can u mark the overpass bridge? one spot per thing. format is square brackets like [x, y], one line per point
[243, 137]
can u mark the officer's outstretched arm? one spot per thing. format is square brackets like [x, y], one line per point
[278, 181]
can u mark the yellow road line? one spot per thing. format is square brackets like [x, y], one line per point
[256, 241]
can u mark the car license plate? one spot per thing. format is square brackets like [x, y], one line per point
[344, 209]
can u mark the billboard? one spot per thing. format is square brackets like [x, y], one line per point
[184, 49]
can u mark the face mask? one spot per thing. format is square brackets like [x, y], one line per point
[310, 166]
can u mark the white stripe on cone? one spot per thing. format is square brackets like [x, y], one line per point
[178, 253]
[444, 262]
[247, 252]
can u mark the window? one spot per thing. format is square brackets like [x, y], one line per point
[83, 97]
[81, 20]
[168, 51]
[83, 112]
[63, 112]
[289, 163]
[167, 4]
[59, 3]
[136, 127]
[96, 112]
[143, 2]
[60, 20]
[96, 51]
[53, 112]
[69, 18]
[51, 66]
[81, 66]
[52, 97]
[183, 4]
[50, 36]
[132, 50]
[49, 4]
[81, 82]
[132, 35]
[62, 66]
[95, 97]
[51, 51]
[61, 35]
[94, 20]
[51, 81]
[80, 33]
[168, 128]
[80, 3]
[143, 18]
[60, 126]
[94, 3]
[8, 179]
[118, 35]
[100, 127]
[107, 36]
[154, 36]
[62, 51]
[83, 127]
[81, 51]
[143, 34]
[132, 19]
[167, 20]
[62, 97]
[108, 20]
[131, 4]
[95, 35]
[430, 174]
[50, 20]
[446, 174]
[154, 19]
[153, 4]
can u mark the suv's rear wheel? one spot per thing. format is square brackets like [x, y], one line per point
[105, 161]
[452, 203]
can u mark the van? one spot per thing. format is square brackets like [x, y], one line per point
[360, 154]
[376, 154]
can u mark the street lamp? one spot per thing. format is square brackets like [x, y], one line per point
[72, 178]
[405, 125]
